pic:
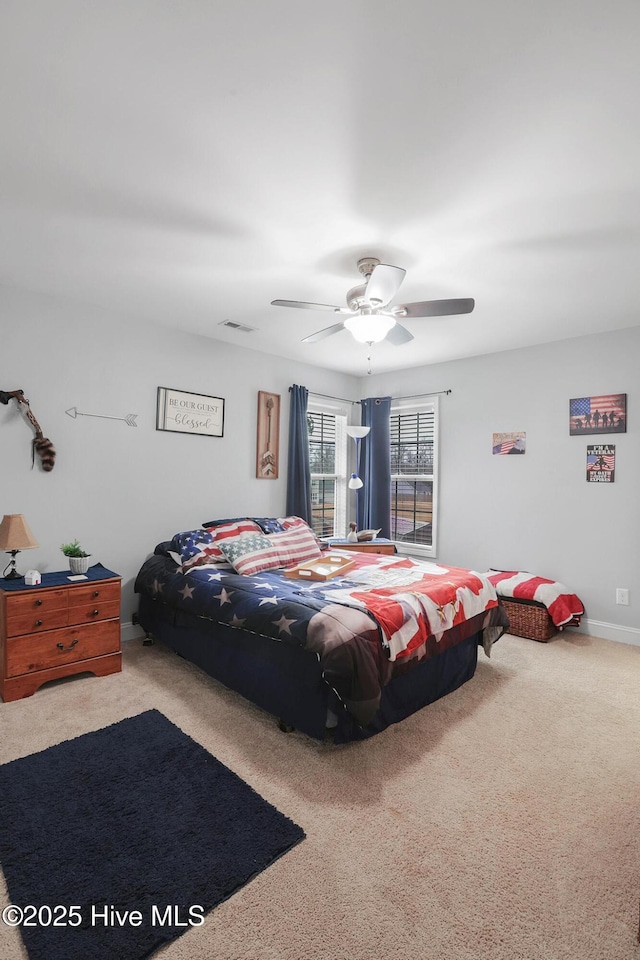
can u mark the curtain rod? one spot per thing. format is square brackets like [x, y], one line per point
[415, 396]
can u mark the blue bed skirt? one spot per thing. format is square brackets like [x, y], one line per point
[287, 681]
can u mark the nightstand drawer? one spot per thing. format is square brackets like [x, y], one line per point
[27, 654]
[91, 612]
[30, 611]
[34, 621]
[94, 593]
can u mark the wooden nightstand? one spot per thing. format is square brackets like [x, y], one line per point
[367, 546]
[58, 628]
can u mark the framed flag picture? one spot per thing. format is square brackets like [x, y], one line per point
[601, 414]
[504, 443]
[601, 463]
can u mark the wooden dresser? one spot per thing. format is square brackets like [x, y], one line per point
[58, 628]
[365, 546]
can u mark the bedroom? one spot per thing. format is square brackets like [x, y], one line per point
[121, 489]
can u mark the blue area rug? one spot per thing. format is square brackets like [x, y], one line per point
[138, 829]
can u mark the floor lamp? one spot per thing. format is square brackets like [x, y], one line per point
[355, 483]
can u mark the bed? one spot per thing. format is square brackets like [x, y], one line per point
[339, 658]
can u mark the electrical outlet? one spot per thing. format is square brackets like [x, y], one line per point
[622, 596]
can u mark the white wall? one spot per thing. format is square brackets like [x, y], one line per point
[537, 512]
[119, 489]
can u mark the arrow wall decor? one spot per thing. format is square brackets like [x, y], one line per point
[130, 418]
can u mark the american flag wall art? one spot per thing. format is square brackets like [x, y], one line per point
[504, 443]
[606, 413]
[601, 463]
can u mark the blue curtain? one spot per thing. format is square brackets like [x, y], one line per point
[374, 500]
[299, 471]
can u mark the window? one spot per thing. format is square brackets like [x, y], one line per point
[413, 443]
[413, 453]
[328, 463]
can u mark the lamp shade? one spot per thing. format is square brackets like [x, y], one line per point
[15, 534]
[357, 432]
[369, 327]
[355, 482]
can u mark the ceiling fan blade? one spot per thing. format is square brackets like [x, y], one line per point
[309, 306]
[321, 334]
[384, 283]
[398, 335]
[434, 308]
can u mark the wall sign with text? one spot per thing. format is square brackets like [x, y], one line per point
[183, 412]
[601, 463]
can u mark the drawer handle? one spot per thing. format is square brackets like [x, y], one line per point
[38, 623]
[61, 646]
[38, 603]
[96, 593]
[94, 613]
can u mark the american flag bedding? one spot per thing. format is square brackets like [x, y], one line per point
[412, 600]
[563, 607]
[385, 615]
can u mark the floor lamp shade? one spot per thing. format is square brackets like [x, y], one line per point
[15, 536]
[357, 433]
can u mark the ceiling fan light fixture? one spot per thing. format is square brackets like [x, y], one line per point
[369, 327]
[371, 313]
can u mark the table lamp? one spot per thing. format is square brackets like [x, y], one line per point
[14, 537]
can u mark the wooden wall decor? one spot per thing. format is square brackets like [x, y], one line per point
[41, 444]
[268, 441]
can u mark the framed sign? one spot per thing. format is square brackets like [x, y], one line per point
[606, 413]
[268, 441]
[183, 412]
[601, 463]
[504, 443]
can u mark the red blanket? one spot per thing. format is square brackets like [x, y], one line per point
[564, 607]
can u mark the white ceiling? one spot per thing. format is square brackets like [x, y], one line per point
[188, 162]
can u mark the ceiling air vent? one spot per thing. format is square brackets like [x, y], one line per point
[233, 325]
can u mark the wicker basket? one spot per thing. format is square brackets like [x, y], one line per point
[529, 619]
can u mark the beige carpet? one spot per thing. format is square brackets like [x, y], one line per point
[502, 823]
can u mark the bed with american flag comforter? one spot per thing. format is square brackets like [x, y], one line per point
[387, 616]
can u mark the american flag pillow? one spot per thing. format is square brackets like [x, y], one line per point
[287, 523]
[203, 546]
[297, 544]
[253, 553]
[295, 523]
[190, 543]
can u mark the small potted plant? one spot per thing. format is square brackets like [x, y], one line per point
[78, 559]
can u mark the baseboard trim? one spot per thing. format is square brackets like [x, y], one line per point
[610, 631]
[131, 631]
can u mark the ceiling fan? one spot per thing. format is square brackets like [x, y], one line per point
[369, 315]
